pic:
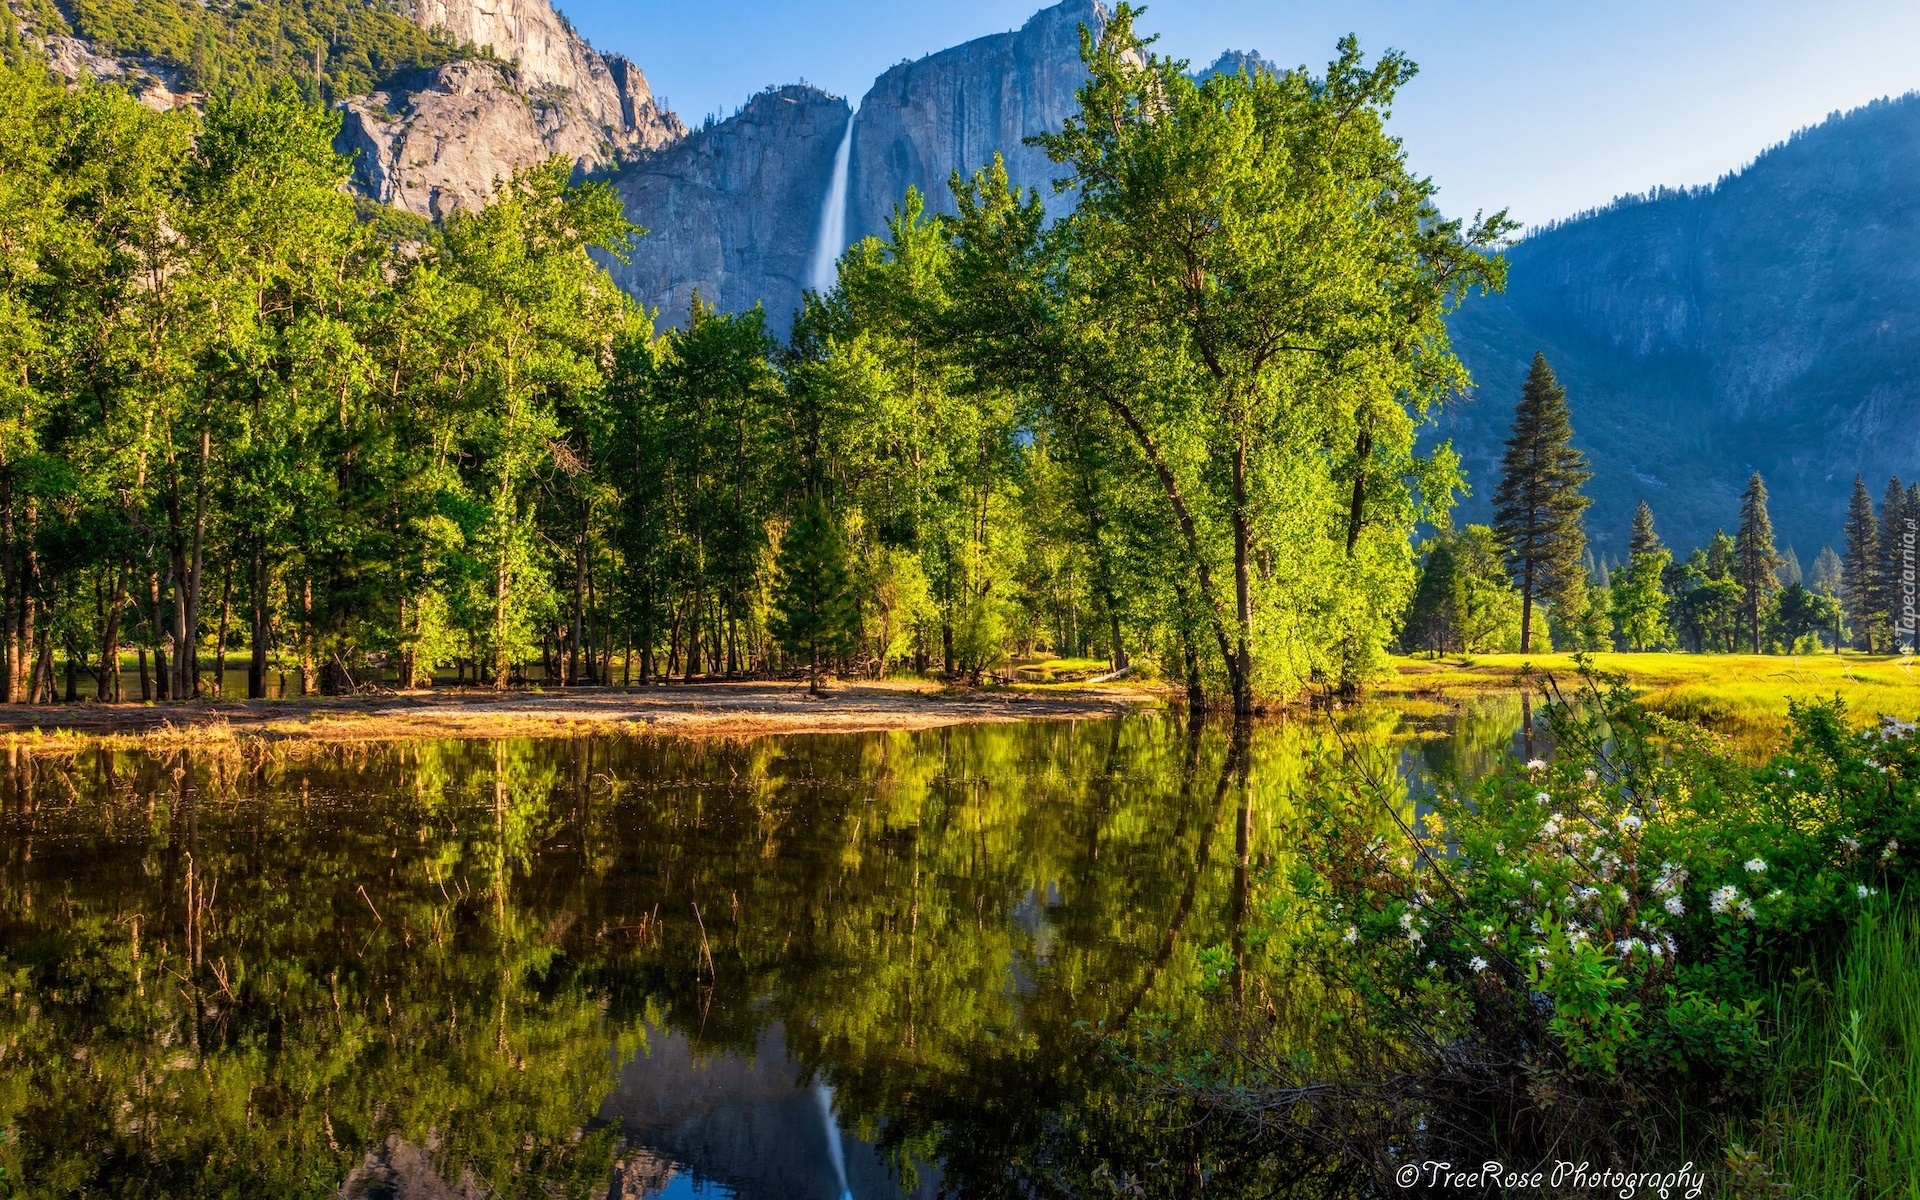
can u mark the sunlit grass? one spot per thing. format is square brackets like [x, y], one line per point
[1744, 696]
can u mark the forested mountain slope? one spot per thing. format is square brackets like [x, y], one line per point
[441, 98]
[1769, 323]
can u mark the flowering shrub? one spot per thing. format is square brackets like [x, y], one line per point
[1617, 914]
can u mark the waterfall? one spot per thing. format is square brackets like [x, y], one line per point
[832, 238]
[821, 1091]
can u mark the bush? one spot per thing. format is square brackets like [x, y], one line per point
[1611, 924]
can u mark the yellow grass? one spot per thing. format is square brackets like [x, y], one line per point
[1743, 695]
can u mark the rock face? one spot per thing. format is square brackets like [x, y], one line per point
[733, 210]
[1769, 323]
[434, 140]
[951, 111]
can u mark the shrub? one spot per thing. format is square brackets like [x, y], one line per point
[1611, 923]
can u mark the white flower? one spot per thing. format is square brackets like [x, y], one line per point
[1746, 908]
[1536, 764]
[1478, 964]
[1893, 848]
[1756, 865]
[1852, 844]
[1591, 774]
[1775, 894]
[1655, 950]
[1352, 935]
[1627, 946]
[1789, 772]
[1676, 906]
[1630, 822]
[1541, 798]
[1724, 898]
[1863, 891]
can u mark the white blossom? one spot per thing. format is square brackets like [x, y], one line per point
[1352, 935]
[1756, 865]
[1536, 764]
[1676, 906]
[1478, 964]
[1724, 898]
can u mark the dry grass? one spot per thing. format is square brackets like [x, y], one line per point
[729, 710]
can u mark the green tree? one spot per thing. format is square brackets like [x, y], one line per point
[1430, 616]
[1638, 595]
[1538, 504]
[1859, 590]
[813, 612]
[1217, 294]
[1756, 563]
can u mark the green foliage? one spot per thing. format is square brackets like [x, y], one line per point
[812, 608]
[1261, 349]
[1538, 505]
[1465, 601]
[1627, 908]
[331, 48]
[1843, 1103]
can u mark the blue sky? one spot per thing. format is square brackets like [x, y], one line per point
[1543, 107]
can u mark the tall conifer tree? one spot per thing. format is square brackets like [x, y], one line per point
[1755, 562]
[1887, 563]
[1860, 570]
[1538, 505]
[813, 610]
[1645, 539]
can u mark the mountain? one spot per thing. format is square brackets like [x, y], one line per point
[733, 210]
[923, 120]
[439, 98]
[1770, 322]
[436, 138]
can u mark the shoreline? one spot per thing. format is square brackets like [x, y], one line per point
[696, 710]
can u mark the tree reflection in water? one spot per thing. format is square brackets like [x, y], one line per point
[591, 967]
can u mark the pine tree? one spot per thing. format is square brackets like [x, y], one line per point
[1859, 581]
[1754, 557]
[813, 610]
[1431, 617]
[1639, 596]
[1886, 581]
[1645, 540]
[1828, 580]
[1538, 506]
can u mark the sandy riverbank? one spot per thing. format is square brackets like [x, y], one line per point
[693, 710]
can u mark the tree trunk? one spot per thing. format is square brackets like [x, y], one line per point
[110, 640]
[220, 642]
[146, 682]
[160, 637]
[258, 635]
[1241, 669]
[73, 672]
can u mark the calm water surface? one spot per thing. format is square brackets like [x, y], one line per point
[816, 966]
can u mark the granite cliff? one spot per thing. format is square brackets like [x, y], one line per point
[921, 121]
[437, 138]
[1770, 323]
[439, 98]
[733, 209]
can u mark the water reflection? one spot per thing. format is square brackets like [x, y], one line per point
[873, 965]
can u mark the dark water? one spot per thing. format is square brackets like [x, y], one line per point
[873, 965]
